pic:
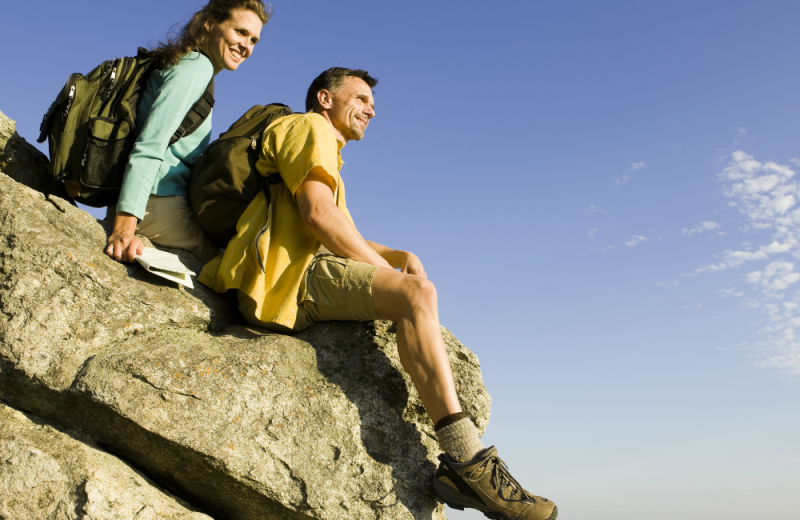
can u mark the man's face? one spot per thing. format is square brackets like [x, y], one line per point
[351, 108]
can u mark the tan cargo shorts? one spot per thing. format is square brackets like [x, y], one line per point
[337, 288]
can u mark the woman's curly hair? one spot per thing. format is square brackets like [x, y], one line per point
[194, 33]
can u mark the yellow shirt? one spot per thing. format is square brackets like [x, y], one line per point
[293, 145]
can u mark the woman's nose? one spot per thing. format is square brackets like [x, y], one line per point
[247, 48]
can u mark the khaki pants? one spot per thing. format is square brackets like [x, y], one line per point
[170, 222]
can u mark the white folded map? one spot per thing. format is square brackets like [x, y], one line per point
[165, 265]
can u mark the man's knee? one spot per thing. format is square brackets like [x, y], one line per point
[398, 296]
[419, 293]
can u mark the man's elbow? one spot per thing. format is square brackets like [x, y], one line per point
[313, 216]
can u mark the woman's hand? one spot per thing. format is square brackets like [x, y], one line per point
[123, 245]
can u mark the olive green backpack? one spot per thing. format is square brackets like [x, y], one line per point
[225, 179]
[91, 126]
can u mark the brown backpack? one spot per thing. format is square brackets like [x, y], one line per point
[225, 179]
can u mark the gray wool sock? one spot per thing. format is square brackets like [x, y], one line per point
[458, 437]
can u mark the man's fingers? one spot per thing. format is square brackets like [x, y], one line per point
[415, 269]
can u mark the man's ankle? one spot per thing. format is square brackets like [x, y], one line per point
[458, 437]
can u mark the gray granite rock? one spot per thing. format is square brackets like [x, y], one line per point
[21, 161]
[63, 299]
[48, 474]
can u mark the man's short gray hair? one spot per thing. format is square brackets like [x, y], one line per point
[332, 80]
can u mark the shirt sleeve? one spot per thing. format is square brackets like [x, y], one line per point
[176, 89]
[297, 145]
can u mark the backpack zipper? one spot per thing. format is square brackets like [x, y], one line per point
[111, 81]
[118, 83]
[125, 68]
[70, 98]
[253, 143]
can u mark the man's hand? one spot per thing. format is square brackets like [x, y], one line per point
[408, 263]
[123, 245]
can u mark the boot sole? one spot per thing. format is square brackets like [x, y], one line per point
[459, 501]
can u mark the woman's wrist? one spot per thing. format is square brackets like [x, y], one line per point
[125, 223]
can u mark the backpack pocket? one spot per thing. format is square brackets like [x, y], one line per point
[109, 143]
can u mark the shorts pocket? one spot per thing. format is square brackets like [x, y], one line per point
[326, 282]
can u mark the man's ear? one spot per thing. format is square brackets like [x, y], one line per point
[325, 98]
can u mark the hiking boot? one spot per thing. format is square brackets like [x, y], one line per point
[485, 484]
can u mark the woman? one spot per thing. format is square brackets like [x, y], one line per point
[154, 200]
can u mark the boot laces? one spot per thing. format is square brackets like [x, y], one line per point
[509, 488]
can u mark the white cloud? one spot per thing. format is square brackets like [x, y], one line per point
[596, 209]
[775, 278]
[592, 232]
[673, 283]
[703, 226]
[635, 239]
[763, 192]
[766, 195]
[637, 166]
[621, 181]
[732, 259]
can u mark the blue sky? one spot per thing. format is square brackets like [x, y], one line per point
[606, 195]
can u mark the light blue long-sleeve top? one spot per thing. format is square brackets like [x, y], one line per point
[152, 167]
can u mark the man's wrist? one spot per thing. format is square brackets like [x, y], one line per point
[395, 257]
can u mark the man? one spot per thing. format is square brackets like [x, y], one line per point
[284, 284]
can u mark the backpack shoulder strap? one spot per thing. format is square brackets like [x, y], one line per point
[272, 179]
[196, 115]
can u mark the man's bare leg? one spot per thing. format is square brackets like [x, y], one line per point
[410, 301]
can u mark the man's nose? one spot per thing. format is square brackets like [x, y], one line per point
[369, 110]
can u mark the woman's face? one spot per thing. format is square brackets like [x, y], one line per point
[231, 42]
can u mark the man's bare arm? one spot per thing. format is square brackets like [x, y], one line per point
[329, 224]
